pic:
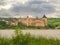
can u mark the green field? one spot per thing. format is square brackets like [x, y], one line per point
[54, 22]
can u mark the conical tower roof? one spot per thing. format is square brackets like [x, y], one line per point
[44, 16]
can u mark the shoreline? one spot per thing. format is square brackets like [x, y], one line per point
[30, 29]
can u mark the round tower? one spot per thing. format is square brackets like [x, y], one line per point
[45, 20]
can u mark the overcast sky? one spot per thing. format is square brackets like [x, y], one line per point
[17, 8]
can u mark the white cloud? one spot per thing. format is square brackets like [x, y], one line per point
[30, 8]
[19, 1]
[56, 4]
[8, 6]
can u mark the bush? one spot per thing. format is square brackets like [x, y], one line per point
[50, 26]
[21, 26]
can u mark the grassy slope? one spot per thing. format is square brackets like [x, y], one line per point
[55, 21]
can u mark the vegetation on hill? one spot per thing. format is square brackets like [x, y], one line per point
[54, 23]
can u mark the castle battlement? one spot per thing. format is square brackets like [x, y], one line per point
[30, 21]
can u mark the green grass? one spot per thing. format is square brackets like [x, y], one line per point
[53, 23]
[27, 39]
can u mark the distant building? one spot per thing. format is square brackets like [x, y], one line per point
[34, 21]
[13, 23]
[30, 21]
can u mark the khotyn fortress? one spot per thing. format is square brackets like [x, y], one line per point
[30, 21]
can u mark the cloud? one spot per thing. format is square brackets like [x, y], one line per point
[2, 2]
[56, 5]
[37, 8]
[5, 13]
[11, 8]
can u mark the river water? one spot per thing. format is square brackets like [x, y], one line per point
[44, 33]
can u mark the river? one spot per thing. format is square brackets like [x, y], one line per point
[44, 33]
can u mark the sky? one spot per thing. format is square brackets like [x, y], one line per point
[32, 8]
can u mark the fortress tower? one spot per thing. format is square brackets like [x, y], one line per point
[45, 20]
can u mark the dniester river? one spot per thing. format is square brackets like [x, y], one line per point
[45, 33]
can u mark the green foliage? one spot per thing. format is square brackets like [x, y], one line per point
[21, 26]
[50, 26]
[3, 25]
[34, 27]
[53, 22]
